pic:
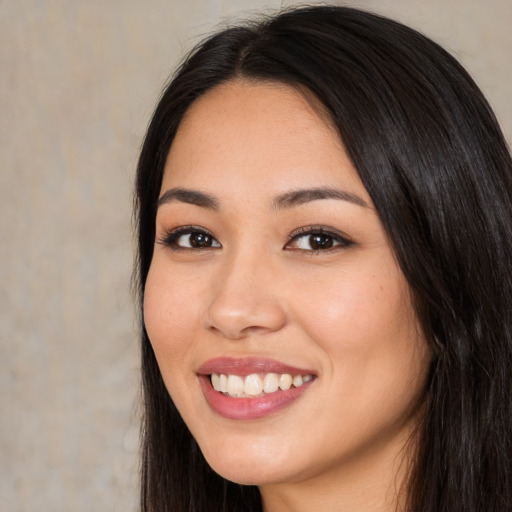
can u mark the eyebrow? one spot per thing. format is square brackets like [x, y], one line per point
[286, 200]
[184, 195]
[302, 196]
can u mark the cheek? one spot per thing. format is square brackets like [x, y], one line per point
[366, 327]
[351, 308]
[377, 361]
[170, 316]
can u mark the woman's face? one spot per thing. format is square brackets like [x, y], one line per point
[272, 271]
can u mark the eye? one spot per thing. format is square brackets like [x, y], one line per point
[190, 238]
[317, 240]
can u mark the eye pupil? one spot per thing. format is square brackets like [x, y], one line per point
[320, 242]
[200, 240]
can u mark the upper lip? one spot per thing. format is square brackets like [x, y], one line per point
[248, 365]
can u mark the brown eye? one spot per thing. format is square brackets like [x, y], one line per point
[318, 240]
[188, 238]
[196, 240]
[200, 240]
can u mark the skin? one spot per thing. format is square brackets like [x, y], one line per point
[343, 313]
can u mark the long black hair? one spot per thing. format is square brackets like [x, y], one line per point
[429, 151]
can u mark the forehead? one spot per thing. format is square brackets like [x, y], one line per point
[271, 97]
[266, 135]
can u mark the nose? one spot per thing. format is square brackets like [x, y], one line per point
[246, 299]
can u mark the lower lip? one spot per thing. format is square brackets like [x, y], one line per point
[249, 408]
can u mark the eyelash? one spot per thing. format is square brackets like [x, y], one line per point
[339, 240]
[335, 240]
[171, 238]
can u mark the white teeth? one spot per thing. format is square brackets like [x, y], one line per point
[253, 385]
[235, 385]
[256, 385]
[285, 381]
[271, 383]
[223, 383]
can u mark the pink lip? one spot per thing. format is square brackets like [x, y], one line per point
[249, 408]
[247, 366]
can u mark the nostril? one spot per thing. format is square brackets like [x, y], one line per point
[244, 320]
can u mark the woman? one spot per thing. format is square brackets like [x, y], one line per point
[324, 220]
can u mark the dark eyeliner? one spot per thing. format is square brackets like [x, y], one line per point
[343, 240]
[171, 236]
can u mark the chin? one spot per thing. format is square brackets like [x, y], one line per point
[247, 474]
[248, 468]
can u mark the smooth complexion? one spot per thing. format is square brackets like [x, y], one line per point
[254, 265]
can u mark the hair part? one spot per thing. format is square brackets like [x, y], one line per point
[429, 150]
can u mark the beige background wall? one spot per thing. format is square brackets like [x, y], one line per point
[78, 81]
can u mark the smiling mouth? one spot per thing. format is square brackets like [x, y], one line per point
[256, 385]
[252, 388]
